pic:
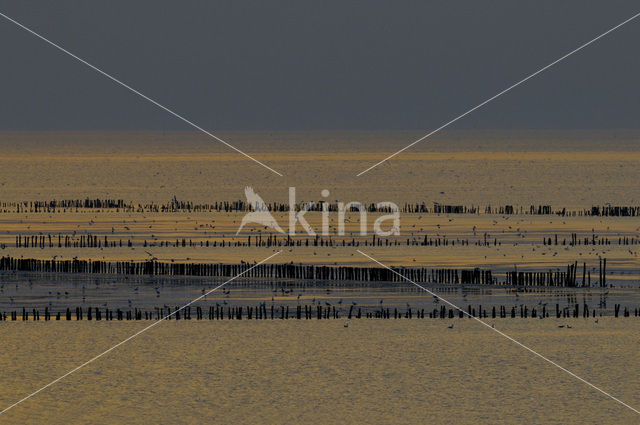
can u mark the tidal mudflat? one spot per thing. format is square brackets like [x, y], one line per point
[282, 370]
[534, 232]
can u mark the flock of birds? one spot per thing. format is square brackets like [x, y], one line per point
[281, 293]
[277, 292]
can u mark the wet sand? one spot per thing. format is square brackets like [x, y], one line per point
[567, 169]
[375, 371]
[283, 371]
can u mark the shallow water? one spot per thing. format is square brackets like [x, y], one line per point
[374, 371]
[57, 292]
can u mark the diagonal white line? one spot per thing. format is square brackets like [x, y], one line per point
[135, 334]
[502, 333]
[114, 79]
[502, 92]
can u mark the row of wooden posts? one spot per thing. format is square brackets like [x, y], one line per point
[261, 312]
[56, 206]
[568, 278]
[271, 240]
[267, 241]
[551, 278]
[274, 271]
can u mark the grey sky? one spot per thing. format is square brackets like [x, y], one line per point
[319, 65]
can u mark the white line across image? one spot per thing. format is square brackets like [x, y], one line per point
[501, 333]
[501, 93]
[60, 378]
[131, 89]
